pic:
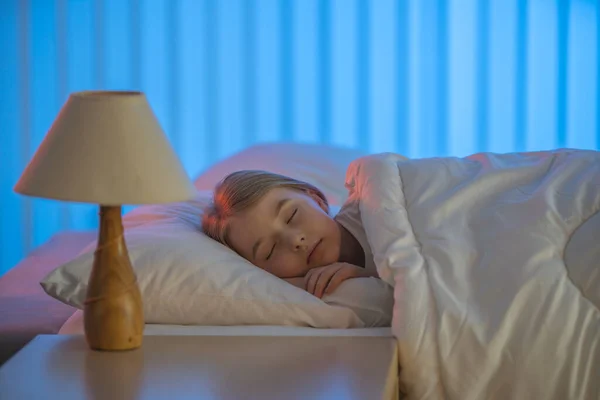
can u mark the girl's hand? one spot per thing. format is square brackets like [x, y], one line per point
[324, 280]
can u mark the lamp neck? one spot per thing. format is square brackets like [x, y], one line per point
[111, 225]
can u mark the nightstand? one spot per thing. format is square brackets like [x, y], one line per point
[205, 367]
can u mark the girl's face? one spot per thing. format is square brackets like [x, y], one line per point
[286, 233]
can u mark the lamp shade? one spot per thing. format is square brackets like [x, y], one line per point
[106, 148]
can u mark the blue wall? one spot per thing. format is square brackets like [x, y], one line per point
[424, 78]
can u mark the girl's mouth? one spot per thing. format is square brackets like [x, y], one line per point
[312, 251]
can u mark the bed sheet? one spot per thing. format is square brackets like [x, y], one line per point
[74, 326]
[25, 309]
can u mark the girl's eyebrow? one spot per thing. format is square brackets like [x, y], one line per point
[280, 205]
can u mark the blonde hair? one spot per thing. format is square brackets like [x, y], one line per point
[243, 189]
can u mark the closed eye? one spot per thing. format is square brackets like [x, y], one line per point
[292, 217]
[288, 221]
[271, 252]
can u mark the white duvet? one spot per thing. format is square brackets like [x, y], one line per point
[485, 305]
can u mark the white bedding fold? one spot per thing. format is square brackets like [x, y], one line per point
[485, 306]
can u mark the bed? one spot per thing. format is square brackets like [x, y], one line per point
[28, 311]
[493, 261]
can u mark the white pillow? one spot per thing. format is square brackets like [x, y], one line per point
[320, 165]
[187, 278]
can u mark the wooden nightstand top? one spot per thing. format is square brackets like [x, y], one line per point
[205, 367]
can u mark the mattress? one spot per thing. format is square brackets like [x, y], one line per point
[74, 326]
[25, 309]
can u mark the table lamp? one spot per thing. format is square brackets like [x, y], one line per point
[107, 148]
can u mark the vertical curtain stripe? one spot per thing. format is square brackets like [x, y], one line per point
[402, 70]
[173, 72]
[211, 130]
[382, 76]
[10, 163]
[230, 69]
[324, 58]
[155, 65]
[286, 54]
[99, 44]
[414, 73]
[248, 47]
[344, 73]
[136, 45]
[482, 68]
[521, 77]
[117, 45]
[362, 62]
[432, 79]
[442, 78]
[561, 98]
[305, 84]
[580, 83]
[542, 72]
[502, 70]
[268, 93]
[25, 117]
[192, 77]
[462, 75]
[597, 76]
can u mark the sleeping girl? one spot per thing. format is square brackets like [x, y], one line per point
[284, 226]
[494, 260]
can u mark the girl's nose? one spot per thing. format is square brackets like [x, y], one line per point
[298, 241]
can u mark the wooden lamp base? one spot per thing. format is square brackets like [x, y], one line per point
[113, 312]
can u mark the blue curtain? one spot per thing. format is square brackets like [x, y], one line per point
[423, 78]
